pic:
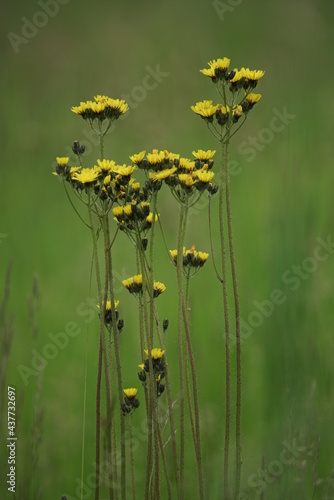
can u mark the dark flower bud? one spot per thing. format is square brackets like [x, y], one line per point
[165, 324]
[144, 243]
[142, 376]
[77, 148]
[120, 325]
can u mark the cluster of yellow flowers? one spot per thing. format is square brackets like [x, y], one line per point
[239, 82]
[135, 285]
[103, 107]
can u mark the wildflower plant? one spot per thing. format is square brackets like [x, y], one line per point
[115, 201]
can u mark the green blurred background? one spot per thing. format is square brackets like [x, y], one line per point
[282, 205]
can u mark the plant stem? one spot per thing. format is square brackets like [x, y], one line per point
[103, 348]
[179, 263]
[131, 461]
[195, 397]
[237, 321]
[227, 327]
[117, 357]
[191, 412]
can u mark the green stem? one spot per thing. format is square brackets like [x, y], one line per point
[107, 360]
[154, 396]
[179, 266]
[103, 347]
[227, 327]
[117, 357]
[85, 396]
[191, 412]
[132, 462]
[237, 323]
[195, 397]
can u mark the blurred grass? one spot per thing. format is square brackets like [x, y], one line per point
[282, 202]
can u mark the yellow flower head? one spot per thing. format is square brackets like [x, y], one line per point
[124, 170]
[106, 165]
[239, 74]
[253, 75]
[156, 353]
[187, 180]
[158, 288]
[164, 174]
[205, 176]
[203, 256]
[204, 155]
[130, 393]
[86, 175]
[205, 109]
[186, 164]
[155, 157]
[217, 69]
[62, 161]
[138, 158]
[108, 305]
[149, 218]
[253, 98]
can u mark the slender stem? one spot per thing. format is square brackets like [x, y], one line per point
[180, 343]
[195, 397]
[227, 328]
[107, 360]
[85, 395]
[237, 323]
[151, 385]
[98, 422]
[191, 411]
[163, 455]
[117, 358]
[211, 244]
[132, 462]
[170, 405]
[103, 348]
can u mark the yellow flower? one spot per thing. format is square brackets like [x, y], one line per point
[253, 75]
[239, 74]
[127, 209]
[130, 393]
[108, 305]
[217, 68]
[156, 353]
[80, 110]
[204, 176]
[149, 218]
[164, 174]
[205, 109]
[173, 254]
[106, 165]
[141, 366]
[86, 176]
[118, 211]
[155, 157]
[107, 180]
[124, 170]
[62, 161]
[186, 179]
[237, 110]
[203, 256]
[253, 98]
[159, 288]
[138, 279]
[137, 158]
[204, 155]
[186, 164]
